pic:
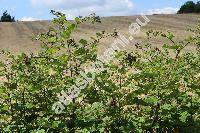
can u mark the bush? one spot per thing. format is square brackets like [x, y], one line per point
[148, 89]
[7, 18]
[190, 7]
[197, 7]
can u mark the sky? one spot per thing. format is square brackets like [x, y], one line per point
[30, 10]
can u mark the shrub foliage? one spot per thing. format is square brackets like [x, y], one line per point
[156, 90]
[7, 18]
[190, 7]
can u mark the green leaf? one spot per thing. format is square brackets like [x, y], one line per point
[55, 124]
[77, 20]
[52, 39]
[166, 107]
[141, 119]
[99, 34]
[170, 35]
[165, 46]
[39, 131]
[71, 27]
[2, 64]
[51, 51]
[151, 100]
[80, 51]
[184, 116]
[83, 42]
[65, 34]
[29, 105]
[176, 46]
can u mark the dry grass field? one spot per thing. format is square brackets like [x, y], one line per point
[16, 37]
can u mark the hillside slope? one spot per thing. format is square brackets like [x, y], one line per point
[17, 36]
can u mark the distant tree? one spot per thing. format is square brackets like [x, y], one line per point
[7, 17]
[197, 7]
[188, 7]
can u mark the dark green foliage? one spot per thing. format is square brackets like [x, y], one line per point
[197, 7]
[190, 7]
[7, 17]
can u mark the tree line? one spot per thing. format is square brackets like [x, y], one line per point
[6, 17]
[190, 7]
